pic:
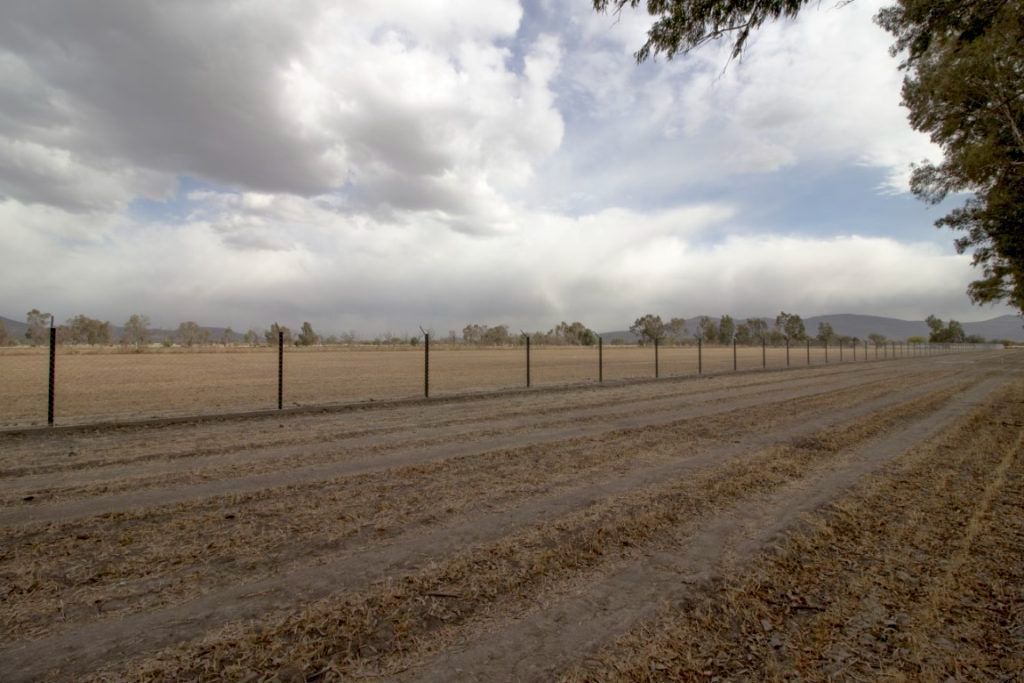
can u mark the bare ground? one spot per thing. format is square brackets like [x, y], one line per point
[516, 537]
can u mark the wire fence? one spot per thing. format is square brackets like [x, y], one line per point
[75, 386]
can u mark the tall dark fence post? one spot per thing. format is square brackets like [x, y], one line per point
[656, 370]
[527, 361]
[426, 365]
[700, 356]
[280, 369]
[600, 359]
[734, 354]
[808, 351]
[764, 353]
[53, 372]
[826, 351]
[787, 352]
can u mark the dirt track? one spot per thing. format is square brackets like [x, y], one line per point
[515, 537]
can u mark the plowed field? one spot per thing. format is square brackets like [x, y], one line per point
[840, 522]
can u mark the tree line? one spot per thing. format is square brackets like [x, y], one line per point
[649, 328]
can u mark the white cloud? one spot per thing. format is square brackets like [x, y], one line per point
[379, 165]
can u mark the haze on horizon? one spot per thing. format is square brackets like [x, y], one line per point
[374, 168]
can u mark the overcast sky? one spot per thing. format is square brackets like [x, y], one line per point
[374, 166]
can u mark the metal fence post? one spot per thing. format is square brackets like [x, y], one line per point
[787, 352]
[53, 372]
[825, 343]
[426, 365]
[280, 369]
[764, 353]
[527, 361]
[600, 359]
[700, 356]
[734, 354]
[656, 371]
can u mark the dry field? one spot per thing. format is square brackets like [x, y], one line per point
[100, 384]
[840, 522]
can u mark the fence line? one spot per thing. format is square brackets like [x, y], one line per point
[882, 351]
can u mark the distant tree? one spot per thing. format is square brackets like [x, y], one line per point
[758, 328]
[975, 339]
[649, 327]
[576, 334]
[85, 330]
[708, 329]
[675, 329]
[955, 332]
[227, 336]
[825, 333]
[916, 339]
[307, 337]
[743, 335]
[497, 336]
[877, 339]
[791, 325]
[136, 331]
[726, 329]
[473, 333]
[251, 337]
[271, 335]
[38, 325]
[942, 333]
[190, 333]
[5, 339]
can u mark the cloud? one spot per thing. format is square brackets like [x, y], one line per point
[246, 259]
[376, 166]
[404, 107]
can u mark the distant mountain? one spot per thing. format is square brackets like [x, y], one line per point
[14, 329]
[860, 326]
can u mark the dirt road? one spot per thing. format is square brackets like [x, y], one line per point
[592, 534]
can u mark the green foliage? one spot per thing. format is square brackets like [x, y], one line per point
[708, 329]
[307, 337]
[682, 25]
[85, 330]
[189, 333]
[576, 334]
[271, 335]
[876, 338]
[743, 334]
[136, 331]
[726, 329]
[649, 327]
[791, 325]
[942, 333]
[251, 337]
[38, 326]
[826, 334]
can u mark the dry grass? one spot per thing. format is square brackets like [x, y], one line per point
[918, 576]
[382, 630]
[162, 382]
[139, 560]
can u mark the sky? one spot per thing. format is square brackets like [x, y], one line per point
[377, 166]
